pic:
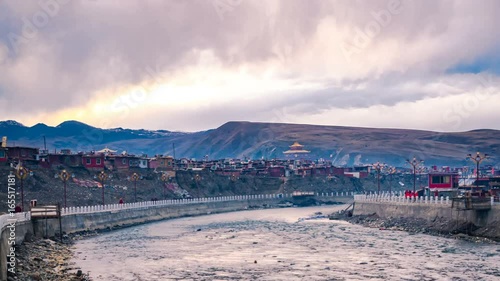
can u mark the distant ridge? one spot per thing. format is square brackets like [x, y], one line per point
[239, 139]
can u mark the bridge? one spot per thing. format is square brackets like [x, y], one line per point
[110, 216]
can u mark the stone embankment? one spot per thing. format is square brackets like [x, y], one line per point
[438, 226]
[431, 215]
[45, 259]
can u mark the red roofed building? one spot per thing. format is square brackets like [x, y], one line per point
[93, 161]
[21, 153]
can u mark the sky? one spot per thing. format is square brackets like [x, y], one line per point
[191, 65]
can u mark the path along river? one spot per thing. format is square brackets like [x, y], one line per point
[274, 244]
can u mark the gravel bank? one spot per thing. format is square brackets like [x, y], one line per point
[45, 259]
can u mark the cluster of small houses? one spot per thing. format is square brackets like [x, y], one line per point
[441, 179]
[111, 160]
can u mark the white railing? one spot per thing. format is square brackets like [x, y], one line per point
[493, 202]
[160, 203]
[7, 219]
[398, 199]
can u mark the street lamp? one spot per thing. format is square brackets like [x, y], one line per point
[64, 175]
[478, 158]
[465, 171]
[414, 163]
[164, 178]
[135, 178]
[197, 179]
[391, 171]
[378, 167]
[22, 173]
[102, 177]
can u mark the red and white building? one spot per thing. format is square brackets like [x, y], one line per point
[443, 181]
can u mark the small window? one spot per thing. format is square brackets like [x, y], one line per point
[447, 179]
[440, 179]
[88, 161]
[124, 161]
[98, 161]
[162, 163]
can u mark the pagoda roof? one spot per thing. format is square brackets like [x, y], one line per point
[106, 150]
[296, 144]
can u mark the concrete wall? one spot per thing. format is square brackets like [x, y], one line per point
[118, 218]
[23, 227]
[428, 212]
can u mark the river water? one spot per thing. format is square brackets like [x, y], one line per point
[276, 244]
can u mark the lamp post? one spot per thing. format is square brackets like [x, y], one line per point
[197, 179]
[465, 171]
[478, 158]
[64, 175]
[22, 174]
[135, 178]
[414, 163]
[391, 171]
[378, 167]
[102, 177]
[164, 178]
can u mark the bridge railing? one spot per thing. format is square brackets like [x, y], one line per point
[398, 199]
[160, 203]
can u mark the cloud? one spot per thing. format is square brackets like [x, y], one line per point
[191, 65]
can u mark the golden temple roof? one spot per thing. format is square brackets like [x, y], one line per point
[296, 144]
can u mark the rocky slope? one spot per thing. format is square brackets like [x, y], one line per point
[48, 189]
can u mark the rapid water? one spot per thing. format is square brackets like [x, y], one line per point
[276, 245]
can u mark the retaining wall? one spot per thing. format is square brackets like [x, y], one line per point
[427, 208]
[118, 218]
[23, 226]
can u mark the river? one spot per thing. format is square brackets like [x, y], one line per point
[274, 244]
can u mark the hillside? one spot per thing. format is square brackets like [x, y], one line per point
[346, 145]
[48, 189]
[342, 145]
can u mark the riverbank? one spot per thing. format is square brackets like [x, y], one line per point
[438, 227]
[46, 259]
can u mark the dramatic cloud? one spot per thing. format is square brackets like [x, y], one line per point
[193, 65]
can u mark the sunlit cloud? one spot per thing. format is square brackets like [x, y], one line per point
[189, 66]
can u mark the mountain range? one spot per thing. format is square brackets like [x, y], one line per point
[342, 145]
